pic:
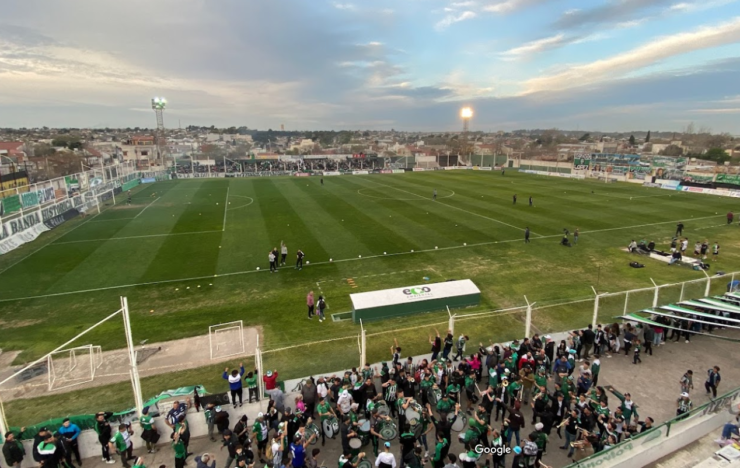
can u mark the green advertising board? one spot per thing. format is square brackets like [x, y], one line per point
[11, 204]
[733, 179]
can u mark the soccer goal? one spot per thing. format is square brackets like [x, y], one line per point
[73, 366]
[226, 339]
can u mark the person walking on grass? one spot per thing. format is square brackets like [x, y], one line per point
[730, 217]
[526, 235]
[530, 201]
[235, 383]
[283, 252]
[128, 200]
[514, 199]
[679, 229]
[715, 251]
[310, 304]
[273, 261]
[434, 196]
[299, 259]
[321, 306]
[575, 236]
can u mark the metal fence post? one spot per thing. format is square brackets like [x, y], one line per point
[680, 298]
[594, 321]
[626, 302]
[655, 294]
[451, 322]
[363, 346]
[134, 371]
[528, 319]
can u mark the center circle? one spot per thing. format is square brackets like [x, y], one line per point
[447, 194]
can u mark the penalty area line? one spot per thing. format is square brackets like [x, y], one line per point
[352, 259]
[140, 212]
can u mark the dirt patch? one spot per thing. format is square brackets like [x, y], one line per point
[152, 358]
[19, 323]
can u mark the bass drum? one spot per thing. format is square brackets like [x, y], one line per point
[434, 394]
[364, 463]
[387, 430]
[313, 430]
[459, 423]
[330, 426]
[383, 408]
[413, 417]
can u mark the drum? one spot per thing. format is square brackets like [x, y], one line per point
[459, 423]
[365, 439]
[413, 417]
[363, 425]
[330, 426]
[434, 394]
[388, 430]
[355, 444]
[313, 430]
[383, 408]
[365, 463]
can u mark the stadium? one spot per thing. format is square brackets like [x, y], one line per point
[182, 258]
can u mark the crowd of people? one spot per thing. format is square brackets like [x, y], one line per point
[481, 395]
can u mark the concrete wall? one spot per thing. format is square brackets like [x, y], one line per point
[656, 445]
[90, 447]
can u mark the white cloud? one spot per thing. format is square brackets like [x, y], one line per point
[451, 19]
[735, 110]
[690, 7]
[344, 6]
[509, 6]
[648, 54]
[467, 4]
[535, 47]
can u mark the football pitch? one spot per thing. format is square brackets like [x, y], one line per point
[193, 253]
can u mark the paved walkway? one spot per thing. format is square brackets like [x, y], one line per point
[653, 385]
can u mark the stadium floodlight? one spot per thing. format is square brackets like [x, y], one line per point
[466, 113]
[159, 103]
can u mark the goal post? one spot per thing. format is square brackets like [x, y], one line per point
[72, 366]
[226, 339]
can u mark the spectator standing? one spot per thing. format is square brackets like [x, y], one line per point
[310, 304]
[251, 381]
[149, 434]
[105, 432]
[270, 379]
[310, 397]
[587, 341]
[70, 432]
[713, 380]
[13, 450]
[235, 383]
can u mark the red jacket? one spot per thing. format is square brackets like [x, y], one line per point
[270, 382]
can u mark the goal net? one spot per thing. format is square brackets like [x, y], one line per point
[73, 366]
[226, 339]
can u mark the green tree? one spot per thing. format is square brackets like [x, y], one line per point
[42, 149]
[672, 150]
[718, 155]
[632, 140]
[647, 138]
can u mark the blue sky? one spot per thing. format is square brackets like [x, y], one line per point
[373, 64]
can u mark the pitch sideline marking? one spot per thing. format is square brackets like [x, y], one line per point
[351, 259]
[226, 206]
[140, 212]
[136, 237]
[46, 245]
[402, 199]
[462, 209]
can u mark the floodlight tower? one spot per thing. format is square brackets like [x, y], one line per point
[158, 105]
[466, 113]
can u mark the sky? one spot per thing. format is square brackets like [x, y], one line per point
[609, 65]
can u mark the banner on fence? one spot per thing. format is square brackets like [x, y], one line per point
[28, 227]
[331, 173]
[301, 174]
[360, 172]
[11, 204]
[418, 169]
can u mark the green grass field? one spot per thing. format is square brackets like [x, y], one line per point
[216, 233]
